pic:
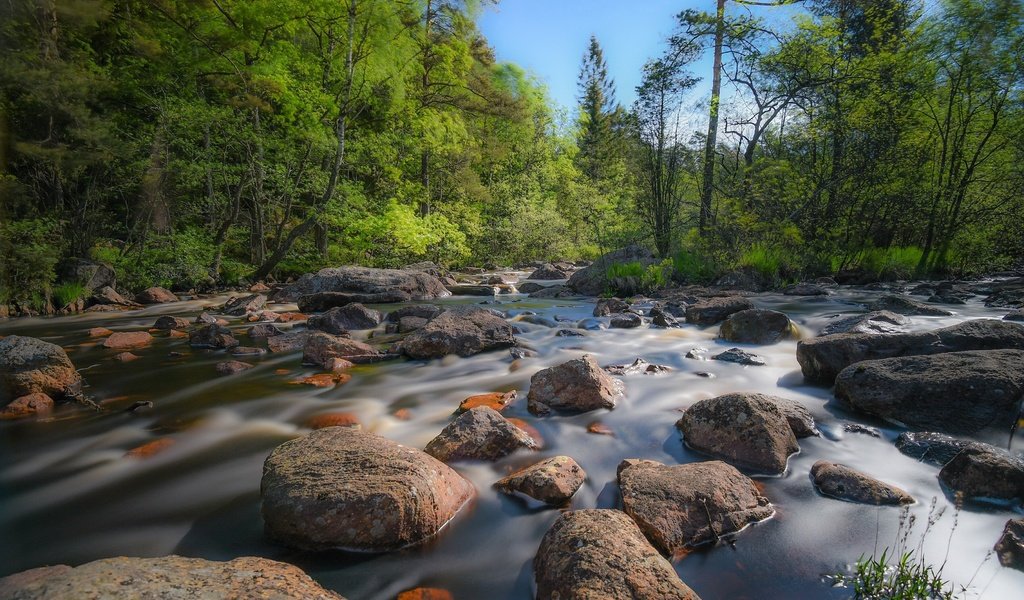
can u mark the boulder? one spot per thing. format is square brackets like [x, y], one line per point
[288, 342]
[554, 291]
[552, 481]
[243, 305]
[842, 482]
[107, 295]
[422, 311]
[341, 487]
[499, 401]
[321, 348]
[662, 318]
[323, 301]
[1010, 547]
[340, 319]
[29, 365]
[679, 507]
[28, 405]
[480, 433]
[936, 448]
[716, 310]
[382, 285]
[212, 336]
[638, 367]
[954, 392]
[579, 385]
[610, 306]
[168, 323]
[474, 290]
[155, 295]
[746, 279]
[263, 330]
[907, 306]
[547, 272]
[463, 331]
[738, 356]
[984, 475]
[125, 578]
[1006, 294]
[805, 289]
[758, 326]
[592, 280]
[126, 340]
[822, 358]
[595, 553]
[879, 321]
[230, 367]
[530, 287]
[90, 274]
[410, 324]
[745, 429]
[626, 320]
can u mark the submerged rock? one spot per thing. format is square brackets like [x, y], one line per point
[842, 482]
[742, 357]
[877, 322]
[758, 326]
[168, 323]
[682, 506]
[212, 336]
[155, 295]
[1010, 547]
[321, 348]
[125, 578]
[28, 405]
[822, 358]
[610, 306]
[745, 429]
[463, 332]
[638, 367]
[340, 319]
[29, 365]
[626, 321]
[578, 385]
[598, 553]
[552, 481]
[716, 310]
[907, 306]
[340, 487]
[936, 448]
[480, 433]
[366, 285]
[982, 475]
[126, 340]
[954, 392]
[231, 367]
[243, 305]
[263, 330]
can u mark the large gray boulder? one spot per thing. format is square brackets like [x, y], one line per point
[1010, 547]
[552, 481]
[907, 306]
[165, 577]
[239, 306]
[877, 322]
[91, 274]
[716, 310]
[591, 554]
[745, 429]
[936, 448]
[679, 507]
[592, 280]
[29, 365]
[842, 482]
[985, 476]
[822, 358]
[547, 272]
[340, 319]
[462, 331]
[953, 392]
[758, 326]
[480, 433]
[383, 284]
[321, 349]
[341, 487]
[578, 385]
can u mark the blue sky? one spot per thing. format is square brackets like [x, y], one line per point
[548, 38]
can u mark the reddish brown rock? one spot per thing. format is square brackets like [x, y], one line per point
[602, 554]
[321, 348]
[338, 419]
[340, 487]
[99, 332]
[425, 594]
[324, 379]
[679, 507]
[28, 406]
[599, 428]
[259, 287]
[552, 481]
[291, 317]
[578, 385]
[480, 433]
[126, 357]
[168, 577]
[1010, 547]
[230, 367]
[212, 336]
[155, 295]
[174, 334]
[168, 323]
[499, 401]
[127, 340]
[150, 448]
[29, 365]
[842, 482]
[463, 332]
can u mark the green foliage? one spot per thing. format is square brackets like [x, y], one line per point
[180, 259]
[768, 261]
[66, 293]
[906, 578]
[890, 263]
[691, 267]
[29, 251]
[629, 279]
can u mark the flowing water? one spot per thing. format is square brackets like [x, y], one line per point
[69, 495]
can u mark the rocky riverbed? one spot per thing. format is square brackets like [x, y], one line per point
[733, 459]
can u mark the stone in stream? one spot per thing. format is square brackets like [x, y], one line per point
[459, 331]
[548, 271]
[907, 306]
[126, 340]
[842, 482]
[538, 320]
[610, 306]
[231, 367]
[822, 358]
[29, 365]
[601, 553]
[985, 476]
[366, 285]
[626, 320]
[1017, 315]
[530, 287]
[661, 318]
[288, 342]
[341, 487]
[758, 326]
[168, 323]
[499, 401]
[638, 367]
[745, 429]
[126, 578]
[953, 392]
[805, 289]
[480, 433]
[320, 348]
[341, 319]
[679, 507]
[108, 296]
[474, 290]
[554, 291]
[592, 280]
[322, 301]
[422, 311]
[570, 333]
[716, 310]
[155, 295]
[936, 448]
[738, 356]
[28, 405]
[263, 330]
[212, 336]
[878, 322]
[552, 481]
[243, 305]
[1010, 547]
[578, 385]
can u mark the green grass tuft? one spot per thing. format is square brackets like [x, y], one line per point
[66, 293]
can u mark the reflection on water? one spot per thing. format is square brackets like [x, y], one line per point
[69, 495]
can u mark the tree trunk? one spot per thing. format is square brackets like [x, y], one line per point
[712, 139]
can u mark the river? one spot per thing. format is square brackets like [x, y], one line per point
[69, 495]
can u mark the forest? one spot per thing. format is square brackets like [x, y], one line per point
[202, 144]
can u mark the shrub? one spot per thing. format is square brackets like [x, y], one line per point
[891, 263]
[692, 267]
[29, 251]
[628, 279]
[66, 293]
